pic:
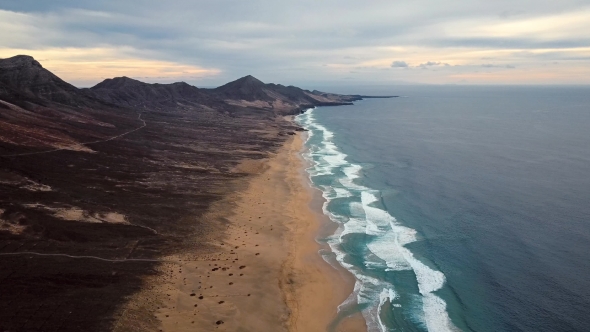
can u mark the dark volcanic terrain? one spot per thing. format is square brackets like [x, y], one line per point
[251, 92]
[97, 184]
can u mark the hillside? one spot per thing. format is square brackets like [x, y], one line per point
[128, 92]
[41, 111]
[250, 92]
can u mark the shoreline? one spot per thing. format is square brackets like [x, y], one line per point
[265, 273]
[319, 287]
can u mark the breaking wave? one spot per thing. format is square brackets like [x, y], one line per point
[371, 244]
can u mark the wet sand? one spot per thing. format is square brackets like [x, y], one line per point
[266, 273]
[318, 287]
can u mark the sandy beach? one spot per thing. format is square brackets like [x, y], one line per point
[264, 275]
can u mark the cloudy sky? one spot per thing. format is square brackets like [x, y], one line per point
[304, 42]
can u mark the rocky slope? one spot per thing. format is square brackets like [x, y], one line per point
[28, 77]
[250, 92]
[247, 93]
[41, 111]
[128, 92]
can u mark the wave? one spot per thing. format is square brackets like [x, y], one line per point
[369, 242]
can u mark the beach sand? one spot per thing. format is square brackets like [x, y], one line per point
[265, 274]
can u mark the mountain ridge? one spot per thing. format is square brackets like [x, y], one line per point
[129, 92]
[246, 92]
[27, 77]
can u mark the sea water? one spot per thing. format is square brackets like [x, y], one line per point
[459, 208]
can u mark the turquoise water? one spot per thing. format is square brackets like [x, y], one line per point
[460, 208]
[371, 243]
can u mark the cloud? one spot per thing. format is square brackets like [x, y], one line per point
[428, 64]
[87, 66]
[489, 65]
[399, 64]
[506, 14]
[289, 43]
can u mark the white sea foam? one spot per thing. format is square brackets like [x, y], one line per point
[388, 237]
[387, 294]
[341, 192]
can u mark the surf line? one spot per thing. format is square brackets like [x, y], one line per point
[388, 237]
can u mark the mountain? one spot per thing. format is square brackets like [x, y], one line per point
[246, 88]
[24, 82]
[128, 92]
[245, 95]
[43, 111]
[26, 75]
[250, 92]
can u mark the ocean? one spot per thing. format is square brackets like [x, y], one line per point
[460, 208]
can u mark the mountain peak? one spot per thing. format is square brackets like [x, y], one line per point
[19, 61]
[117, 82]
[25, 74]
[247, 80]
[246, 88]
[250, 78]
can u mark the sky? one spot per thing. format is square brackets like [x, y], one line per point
[304, 43]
